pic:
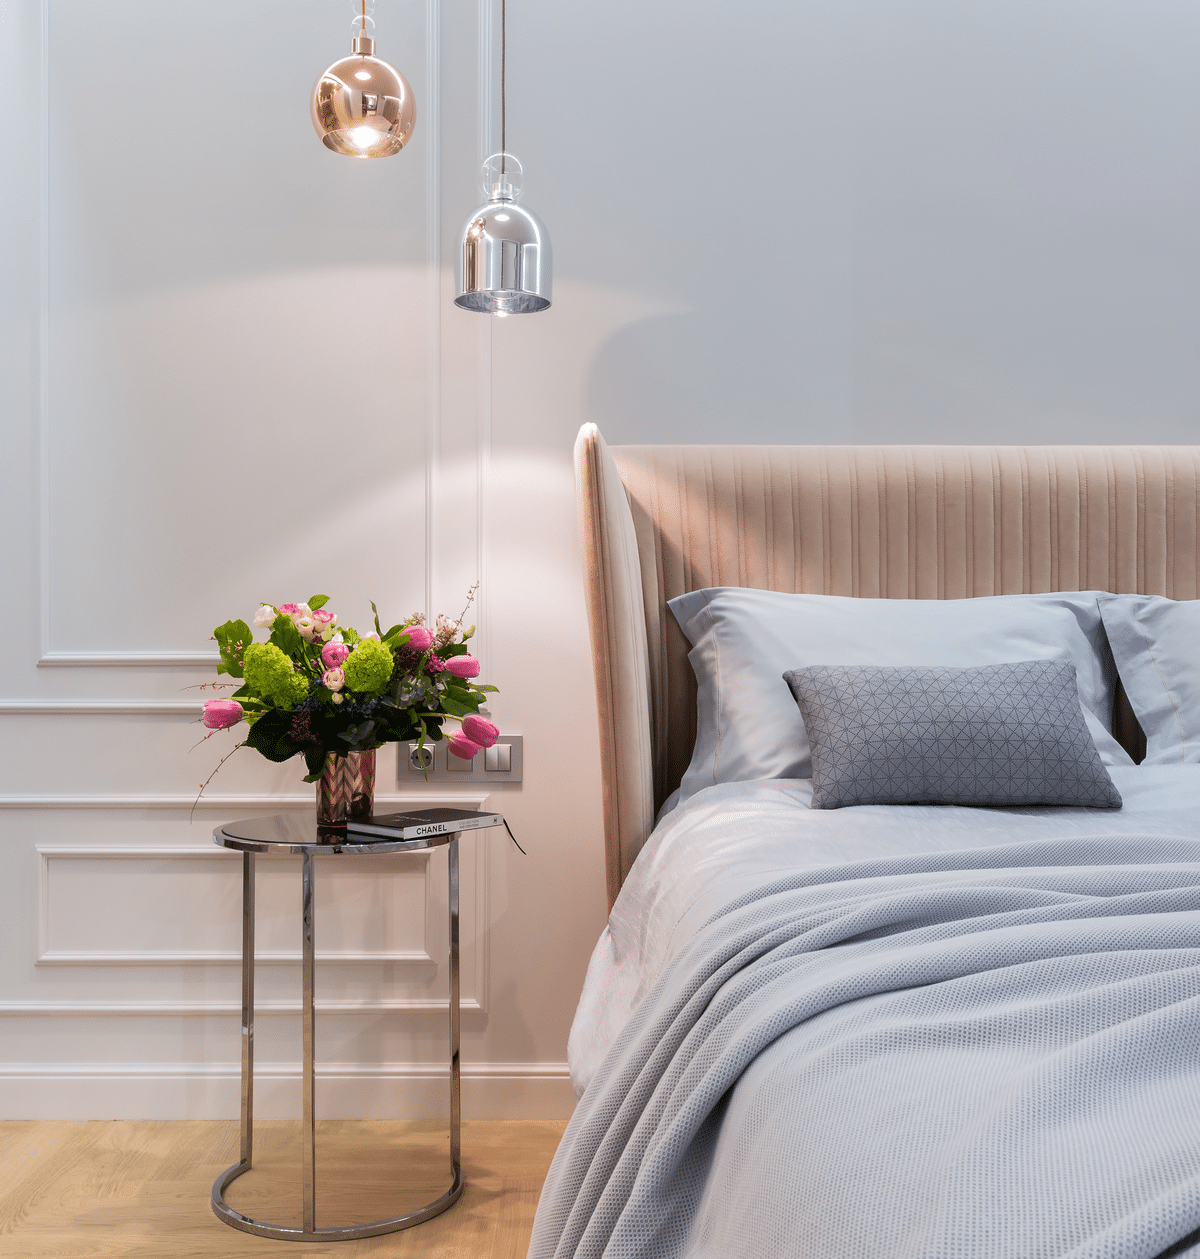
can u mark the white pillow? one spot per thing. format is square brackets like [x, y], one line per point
[1156, 643]
[748, 725]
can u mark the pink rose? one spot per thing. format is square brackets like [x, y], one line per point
[335, 679]
[462, 747]
[463, 666]
[480, 730]
[419, 638]
[220, 714]
[290, 609]
[334, 654]
[323, 623]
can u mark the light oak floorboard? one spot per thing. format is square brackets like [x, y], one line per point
[140, 1190]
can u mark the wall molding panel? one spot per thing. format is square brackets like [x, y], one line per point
[210, 1090]
[99, 708]
[420, 962]
[144, 977]
[230, 803]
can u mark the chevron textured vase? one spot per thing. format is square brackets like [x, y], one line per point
[346, 788]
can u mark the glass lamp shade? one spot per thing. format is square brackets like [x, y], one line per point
[363, 107]
[505, 262]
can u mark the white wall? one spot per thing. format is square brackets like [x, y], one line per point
[230, 370]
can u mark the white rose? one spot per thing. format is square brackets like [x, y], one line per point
[305, 625]
[265, 615]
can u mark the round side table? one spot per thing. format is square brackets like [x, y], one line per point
[301, 836]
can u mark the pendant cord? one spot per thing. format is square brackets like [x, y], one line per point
[363, 26]
[503, 67]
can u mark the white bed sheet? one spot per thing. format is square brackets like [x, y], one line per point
[727, 837]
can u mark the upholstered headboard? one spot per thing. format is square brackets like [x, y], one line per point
[898, 522]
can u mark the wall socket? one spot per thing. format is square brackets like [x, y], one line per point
[501, 763]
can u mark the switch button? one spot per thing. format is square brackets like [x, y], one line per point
[498, 758]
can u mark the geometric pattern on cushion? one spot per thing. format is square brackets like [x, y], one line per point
[1002, 734]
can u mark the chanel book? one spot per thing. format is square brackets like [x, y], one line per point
[417, 823]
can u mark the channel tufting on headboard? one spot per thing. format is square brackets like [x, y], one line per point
[899, 522]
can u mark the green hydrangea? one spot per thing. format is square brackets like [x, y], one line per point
[368, 667]
[269, 672]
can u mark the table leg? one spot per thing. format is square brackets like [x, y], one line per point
[455, 1082]
[308, 1135]
[247, 1007]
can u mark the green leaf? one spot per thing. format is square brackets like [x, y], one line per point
[486, 689]
[232, 640]
[359, 737]
[269, 736]
[456, 708]
[314, 759]
[318, 601]
[350, 636]
[377, 629]
[286, 637]
[455, 649]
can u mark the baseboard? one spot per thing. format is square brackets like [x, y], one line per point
[195, 1090]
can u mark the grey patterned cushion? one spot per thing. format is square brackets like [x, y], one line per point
[1001, 734]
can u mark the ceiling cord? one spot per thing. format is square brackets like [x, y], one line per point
[503, 102]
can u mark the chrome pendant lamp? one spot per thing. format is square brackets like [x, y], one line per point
[362, 106]
[505, 261]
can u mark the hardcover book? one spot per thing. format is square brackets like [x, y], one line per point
[417, 823]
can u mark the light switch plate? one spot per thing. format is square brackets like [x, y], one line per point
[452, 769]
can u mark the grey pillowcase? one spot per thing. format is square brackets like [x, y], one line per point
[1002, 734]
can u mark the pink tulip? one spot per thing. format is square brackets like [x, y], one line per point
[220, 714]
[419, 638]
[462, 747]
[334, 654]
[463, 666]
[480, 730]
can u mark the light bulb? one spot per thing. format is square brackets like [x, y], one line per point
[361, 106]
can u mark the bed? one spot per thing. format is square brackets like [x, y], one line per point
[909, 1030]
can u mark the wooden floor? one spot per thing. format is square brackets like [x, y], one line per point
[141, 1190]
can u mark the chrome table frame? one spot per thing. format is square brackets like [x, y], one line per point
[278, 834]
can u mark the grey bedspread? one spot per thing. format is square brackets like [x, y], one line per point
[987, 1053]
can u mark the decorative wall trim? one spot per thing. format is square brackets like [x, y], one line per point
[222, 1009]
[43, 334]
[99, 707]
[211, 1090]
[292, 800]
[125, 659]
[66, 957]
[433, 282]
[478, 943]
[287, 1070]
[99, 957]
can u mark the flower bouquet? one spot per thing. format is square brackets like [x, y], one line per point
[323, 691]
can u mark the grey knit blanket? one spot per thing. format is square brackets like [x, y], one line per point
[988, 1054]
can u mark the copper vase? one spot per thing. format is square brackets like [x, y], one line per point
[346, 788]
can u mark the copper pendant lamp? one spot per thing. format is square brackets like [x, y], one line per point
[505, 262]
[361, 106]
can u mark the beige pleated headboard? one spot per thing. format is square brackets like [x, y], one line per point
[895, 522]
